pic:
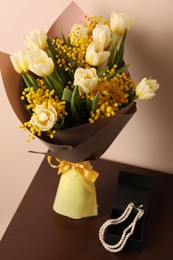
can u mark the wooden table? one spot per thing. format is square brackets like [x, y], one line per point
[36, 232]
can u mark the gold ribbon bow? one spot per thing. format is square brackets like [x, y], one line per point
[83, 168]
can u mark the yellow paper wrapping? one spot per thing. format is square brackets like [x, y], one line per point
[73, 199]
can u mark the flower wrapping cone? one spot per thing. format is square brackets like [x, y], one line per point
[76, 144]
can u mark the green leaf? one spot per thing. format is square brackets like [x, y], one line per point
[52, 49]
[112, 50]
[67, 94]
[75, 103]
[64, 75]
[94, 102]
[33, 81]
[29, 110]
[56, 76]
[57, 86]
[49, 53]
[59, 125]
[48, 83]
[118, 59]
[102, 71]
[71, 74]
[26, 80]
[68, 41]
[58, 73]
[63, 37]
[88, 102]
[122, 69]
[29, 80]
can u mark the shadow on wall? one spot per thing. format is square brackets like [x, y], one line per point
[152, 57]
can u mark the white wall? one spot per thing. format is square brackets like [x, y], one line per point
[147, 139]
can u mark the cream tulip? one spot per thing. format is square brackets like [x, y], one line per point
[44, 118]
[101, 34]
[95, 54]
[85, 79]
[145, 90]
[121, 22]
[36, 39]
[19, 61]
[39, 62]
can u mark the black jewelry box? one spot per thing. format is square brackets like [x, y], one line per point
[130, 188]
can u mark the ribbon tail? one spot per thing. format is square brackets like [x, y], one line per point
[49, 161]
[85, 183]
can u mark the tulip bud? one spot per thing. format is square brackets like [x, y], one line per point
[101, 34]
[19, 61]
[86, 79]
[119, 23]
[36, 39]
[40, 63]
[95, 54]
[146, 88]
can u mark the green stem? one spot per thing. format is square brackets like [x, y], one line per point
[33, 81]
[117, 72]
[75, 103]
[118, 58]
[57, 86]
[48, 83]
[112, 49]
[28, 80]
[56, 76]
[100, 73]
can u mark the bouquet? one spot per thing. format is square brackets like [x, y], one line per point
[72, 88]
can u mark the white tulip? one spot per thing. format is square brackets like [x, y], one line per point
[95, 54]
[146, 88]
[36, 39]
[86, 79]
[44, 118]
[77, 31]
[119, 23]
[19, 61]
[101, 34]
[39, 62]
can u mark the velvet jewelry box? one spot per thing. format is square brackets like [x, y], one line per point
[130, 188]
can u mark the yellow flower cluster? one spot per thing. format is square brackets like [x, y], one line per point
[42, 96]
[92, 21]
[113, 94]
[71, 57]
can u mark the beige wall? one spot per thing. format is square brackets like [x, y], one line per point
[147, 139]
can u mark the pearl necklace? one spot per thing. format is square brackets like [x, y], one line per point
[127, 231]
